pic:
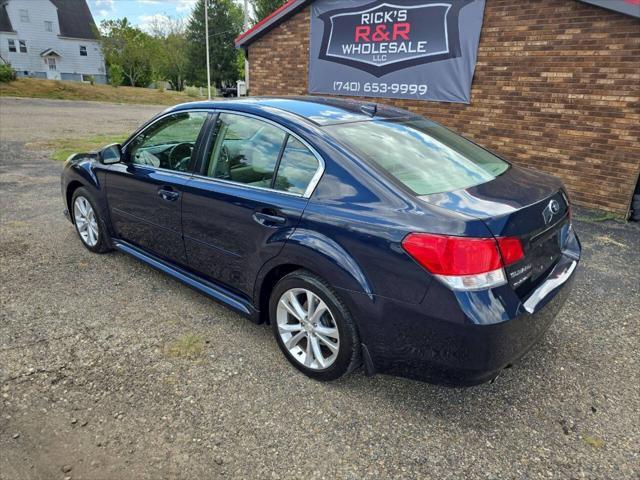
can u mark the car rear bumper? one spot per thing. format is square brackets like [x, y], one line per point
[460, 338]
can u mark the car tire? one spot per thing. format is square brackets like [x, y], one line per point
[336, 318]
[93, 232]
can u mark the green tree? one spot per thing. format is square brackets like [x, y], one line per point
[116, 75]
[225, 24]
[263, 8]
[130, 48]
[171, 60]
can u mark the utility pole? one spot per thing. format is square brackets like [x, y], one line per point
[245, 24]
[245, 27]
[206, 35]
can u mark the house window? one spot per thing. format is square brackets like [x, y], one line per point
[83, 51]
[12, 45]
[23, 46]
[24, 16]
[48, 26]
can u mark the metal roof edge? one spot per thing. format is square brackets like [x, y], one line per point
[270, 21]
[292, 6]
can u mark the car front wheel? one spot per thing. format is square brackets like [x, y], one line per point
[313, 327]
[88, 223]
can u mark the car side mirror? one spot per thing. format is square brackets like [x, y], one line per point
[110, 154]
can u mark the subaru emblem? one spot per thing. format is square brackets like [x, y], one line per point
[550, 210]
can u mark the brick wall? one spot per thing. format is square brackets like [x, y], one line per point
[556, 88]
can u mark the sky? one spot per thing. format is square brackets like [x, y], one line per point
[140, 12]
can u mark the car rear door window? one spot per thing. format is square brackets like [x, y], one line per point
[169, 143]
[245, 150]
[297, 168]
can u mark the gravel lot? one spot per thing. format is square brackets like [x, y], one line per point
[111, 370]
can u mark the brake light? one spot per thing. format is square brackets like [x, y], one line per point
[444, 255]
[464, 263]
[511, 250]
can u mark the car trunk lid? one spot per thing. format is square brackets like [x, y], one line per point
[519, 203]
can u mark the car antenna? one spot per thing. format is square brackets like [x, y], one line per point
[370, 109]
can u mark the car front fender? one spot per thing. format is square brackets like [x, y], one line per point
[82, 167]
[83, 170]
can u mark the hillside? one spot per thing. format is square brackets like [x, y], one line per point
[66, 90]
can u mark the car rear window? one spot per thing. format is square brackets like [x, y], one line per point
[423, 155]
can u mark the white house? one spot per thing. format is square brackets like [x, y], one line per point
[53, 39]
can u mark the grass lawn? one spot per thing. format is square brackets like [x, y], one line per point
[63, 147]
[66, 90]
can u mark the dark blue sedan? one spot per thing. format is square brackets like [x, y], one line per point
[365, 235]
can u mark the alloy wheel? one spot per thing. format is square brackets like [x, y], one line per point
[308, 329]
[86, 221]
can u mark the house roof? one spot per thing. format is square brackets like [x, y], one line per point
[628, 7]
[270, 21]
[5, 22]
[75, 19]
[49, 51]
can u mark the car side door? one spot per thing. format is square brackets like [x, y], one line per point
[144, 191]
[246, 199]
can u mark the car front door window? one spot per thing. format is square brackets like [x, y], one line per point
[168, 143]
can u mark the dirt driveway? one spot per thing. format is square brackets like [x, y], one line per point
[111, 370]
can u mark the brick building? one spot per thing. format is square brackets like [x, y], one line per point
[556, 88]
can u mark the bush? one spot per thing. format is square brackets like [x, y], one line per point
[193, 92]
[91, 79]
[6, 73]
[116, 75]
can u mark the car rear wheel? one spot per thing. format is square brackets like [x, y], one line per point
[88, 223]
[313, 327]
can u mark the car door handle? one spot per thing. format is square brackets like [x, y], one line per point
[168, 194]
[269, 218]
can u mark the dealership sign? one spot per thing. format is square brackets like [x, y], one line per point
[628, 7]
[397, 49]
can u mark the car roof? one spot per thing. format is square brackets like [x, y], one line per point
[318, 110]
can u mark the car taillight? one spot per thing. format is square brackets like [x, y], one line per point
[464, 263]
[511, 250]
